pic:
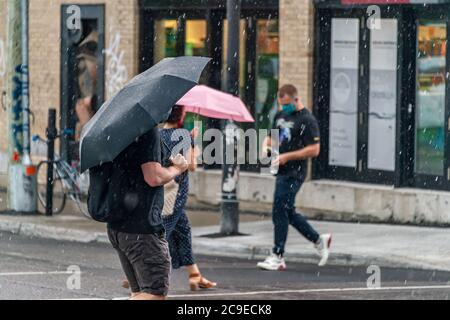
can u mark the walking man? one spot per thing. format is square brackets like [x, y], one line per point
[299, 141]
[139, 238]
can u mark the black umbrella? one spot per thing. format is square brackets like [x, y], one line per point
[142, 104]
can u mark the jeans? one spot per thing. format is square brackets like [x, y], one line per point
[284, 213]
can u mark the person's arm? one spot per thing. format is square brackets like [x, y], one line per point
[194, 151]
[309, 152]
[312, 142]
[156, 175]
[266, 147]
[267, 142]
[149, 157]
[192, 156]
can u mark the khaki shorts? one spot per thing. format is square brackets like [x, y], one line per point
[145, 260]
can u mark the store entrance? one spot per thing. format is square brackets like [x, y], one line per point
[203, 32]
[357, 97]
[431, 107]
[82, 74]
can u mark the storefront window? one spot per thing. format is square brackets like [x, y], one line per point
[86, 71]
[267, 66]
[430, 114]
[165, 44]
[83, 75]
[195, 45]
[344, 86]
[383, 96]
[266, 70]
[195, 38]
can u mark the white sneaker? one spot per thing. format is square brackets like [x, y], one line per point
[323, 248]
[273, 263]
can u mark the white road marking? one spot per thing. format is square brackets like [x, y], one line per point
[42, 273]
[249, 293]
[254, 293]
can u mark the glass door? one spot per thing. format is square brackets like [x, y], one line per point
[383, 103]
[431, 125]
[165, 40]
[357, 97]
[267, 72]
[340, 99]
[82, 75]
[195, 37]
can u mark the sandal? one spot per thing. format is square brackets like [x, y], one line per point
[197, 282]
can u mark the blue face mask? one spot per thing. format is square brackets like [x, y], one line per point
[289, 108]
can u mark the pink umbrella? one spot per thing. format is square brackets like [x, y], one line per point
[212, 103]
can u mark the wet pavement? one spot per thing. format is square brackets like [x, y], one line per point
[32, 268]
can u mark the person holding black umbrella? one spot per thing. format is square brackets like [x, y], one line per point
[121, 147]
[175, 139]
[141, 244]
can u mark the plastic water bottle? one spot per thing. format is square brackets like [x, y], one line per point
[274, 169]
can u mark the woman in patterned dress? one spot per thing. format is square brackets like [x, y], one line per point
[177, 225]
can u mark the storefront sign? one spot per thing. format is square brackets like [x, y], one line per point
[344, 92]
[375, 1]
[383, 96]
[350, 2]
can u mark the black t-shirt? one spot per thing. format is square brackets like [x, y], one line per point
[296, 131]
[146, 202]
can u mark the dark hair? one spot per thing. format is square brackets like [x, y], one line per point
[289, 90]
[176, 115]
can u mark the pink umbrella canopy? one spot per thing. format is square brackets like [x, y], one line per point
[213, 103]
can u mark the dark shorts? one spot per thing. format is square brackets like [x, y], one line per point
[145, 260]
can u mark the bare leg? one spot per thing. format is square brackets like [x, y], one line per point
[197, 281]
[193, 269]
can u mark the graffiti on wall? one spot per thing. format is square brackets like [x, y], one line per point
[2, 58]
[116, 71]
[20, 73]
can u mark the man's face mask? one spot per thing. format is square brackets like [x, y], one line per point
[289, 108]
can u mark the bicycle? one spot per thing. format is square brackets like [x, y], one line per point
[67, 182]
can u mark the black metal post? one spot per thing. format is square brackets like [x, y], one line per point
[51, 136]
[230, 171]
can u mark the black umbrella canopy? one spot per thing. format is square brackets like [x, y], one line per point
[142, 104]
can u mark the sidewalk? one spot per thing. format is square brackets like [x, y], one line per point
[354, 244]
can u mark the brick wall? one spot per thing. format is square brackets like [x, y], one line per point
[121, 18]
[296, 46]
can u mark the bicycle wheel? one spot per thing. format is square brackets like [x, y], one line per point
[81, 201]
[59, 195]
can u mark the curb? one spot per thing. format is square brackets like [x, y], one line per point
[52, 233]
[203, 247]
[336, 259]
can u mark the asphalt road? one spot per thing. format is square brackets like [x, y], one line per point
[38, 269]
